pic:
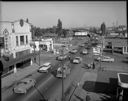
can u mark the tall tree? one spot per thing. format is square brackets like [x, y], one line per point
[59, 27]
[27, 20]
[64, 33]
[103, 28]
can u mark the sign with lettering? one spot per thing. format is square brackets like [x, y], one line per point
[6, 40]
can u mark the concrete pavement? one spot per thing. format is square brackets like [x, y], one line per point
[97, 86]
[21, 73]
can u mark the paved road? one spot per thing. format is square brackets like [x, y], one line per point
[49, 85]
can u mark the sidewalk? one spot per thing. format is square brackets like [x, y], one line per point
[21, 73]
[98, 86]
[80, 93]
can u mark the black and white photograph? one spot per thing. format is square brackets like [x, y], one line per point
[63, 51]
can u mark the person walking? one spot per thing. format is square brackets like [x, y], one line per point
[93, 65]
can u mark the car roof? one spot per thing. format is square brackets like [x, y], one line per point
[47, 63]
[77, 57]
[26, 79]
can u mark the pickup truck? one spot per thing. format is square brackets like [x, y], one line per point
[66, 71]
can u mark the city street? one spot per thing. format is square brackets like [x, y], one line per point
[47, 84]
[64, 51]
[50, 87]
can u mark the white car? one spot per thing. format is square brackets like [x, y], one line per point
[81, 45]
[105, 59]
[45, 67]
[62, 57]
[24, 85]
[85, 51]
[77, 60]
[73, 51]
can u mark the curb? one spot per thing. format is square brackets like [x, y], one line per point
[15, 78]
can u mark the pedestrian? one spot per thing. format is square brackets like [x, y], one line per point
[93, 65]
[35, 59]
[1, 68]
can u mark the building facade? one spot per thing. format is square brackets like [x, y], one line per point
[15, 45]
[17, 38]
[119, 45]
[43, 44]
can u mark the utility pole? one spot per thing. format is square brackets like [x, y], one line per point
[101, 50]
[62, 50]
[39, 51]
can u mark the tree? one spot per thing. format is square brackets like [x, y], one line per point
[38, 32]
[64, 33]
[33, 31]
[59, 27]
[103, 28]
[27, 20]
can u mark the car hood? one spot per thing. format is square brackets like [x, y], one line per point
[43, 68]
[21, 87]
[75, 60]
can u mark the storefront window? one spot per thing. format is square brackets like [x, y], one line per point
[21, 40]
[125, 49]
[26, 39]
[17, 41]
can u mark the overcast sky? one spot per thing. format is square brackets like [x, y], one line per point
[72, 14]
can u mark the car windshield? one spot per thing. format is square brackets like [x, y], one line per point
[22, 82]
[25, 82]
[77, 58]
[45, 65]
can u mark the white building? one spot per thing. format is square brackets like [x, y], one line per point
[17, 37]
[81, 33]
[43, 44]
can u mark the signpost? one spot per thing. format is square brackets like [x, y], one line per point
[62, 53]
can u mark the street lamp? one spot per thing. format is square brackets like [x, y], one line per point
[101, 51]
[62, 53]
[39, 51]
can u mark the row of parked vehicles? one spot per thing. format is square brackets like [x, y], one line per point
[25, 84]
[104, 59]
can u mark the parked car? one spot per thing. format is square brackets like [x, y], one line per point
[84, 51]
[81, 45]
[64, 73]
[105, 59]
[24, 85]
[73, 51]
[62, 57]
[77, 60]
[45, 67]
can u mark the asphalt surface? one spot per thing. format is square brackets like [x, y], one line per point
[47, 84]
[51, 87]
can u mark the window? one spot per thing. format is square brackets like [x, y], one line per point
[21, 40]
[125, 49]
[26, 39]
[17, 41]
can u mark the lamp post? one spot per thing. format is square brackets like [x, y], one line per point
[101, 51]
[62, 52]
[39, 51]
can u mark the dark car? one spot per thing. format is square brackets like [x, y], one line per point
[62, 57]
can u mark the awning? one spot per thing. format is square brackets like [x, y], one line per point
[13, 61]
